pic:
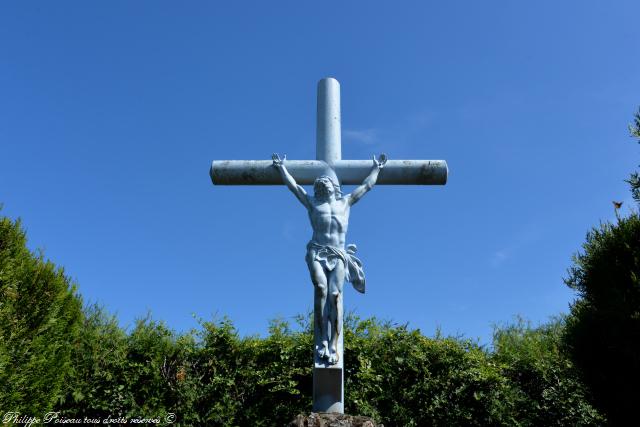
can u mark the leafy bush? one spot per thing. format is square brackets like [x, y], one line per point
[39, 320]
[547, 387]
[85, 365]
[253, 381]
[145, 373]
[603, 331]
[393, 374]
[406, 379]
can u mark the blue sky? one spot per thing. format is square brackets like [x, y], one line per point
[111, 112]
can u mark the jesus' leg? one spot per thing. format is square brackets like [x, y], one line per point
[320, 308]
[336, 282]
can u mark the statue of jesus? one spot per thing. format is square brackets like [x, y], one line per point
[330, 264]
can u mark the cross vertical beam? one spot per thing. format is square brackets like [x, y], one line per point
[328, 380]
[328, 130]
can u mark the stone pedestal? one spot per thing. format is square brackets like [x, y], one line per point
[322, 419]
[328, 380]
[328, 392]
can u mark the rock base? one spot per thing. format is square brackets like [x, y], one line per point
[325, 419]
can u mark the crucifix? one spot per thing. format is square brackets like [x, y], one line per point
[330, 262]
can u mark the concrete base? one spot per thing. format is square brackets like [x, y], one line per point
[332, 420]
[328, 391]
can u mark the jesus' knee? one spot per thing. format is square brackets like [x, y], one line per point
[321, 289]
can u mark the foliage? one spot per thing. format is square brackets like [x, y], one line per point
[39, 319]
[140, 374]
[603, 331]
[208, 377]
[256, 381]
[394, 374]
[407, 379]
[86, 365]
[547, 387]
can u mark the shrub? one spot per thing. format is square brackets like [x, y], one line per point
[39, 319]
[603, 331]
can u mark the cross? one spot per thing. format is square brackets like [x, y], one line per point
[328, 374]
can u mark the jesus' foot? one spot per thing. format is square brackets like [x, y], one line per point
[323, 352]
[333, 358]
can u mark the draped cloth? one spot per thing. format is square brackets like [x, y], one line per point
[328, 256]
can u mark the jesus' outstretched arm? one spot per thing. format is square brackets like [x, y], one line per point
[291, 184]
[369, 181]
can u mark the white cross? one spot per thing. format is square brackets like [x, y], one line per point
[329, 154]
[328, 381]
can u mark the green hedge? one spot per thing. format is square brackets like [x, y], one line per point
[603, 333]
[53, 355]
[39, 325]
[394, 374]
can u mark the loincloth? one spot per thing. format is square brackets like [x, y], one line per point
[329, 256]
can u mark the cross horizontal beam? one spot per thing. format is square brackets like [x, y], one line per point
[349, 172]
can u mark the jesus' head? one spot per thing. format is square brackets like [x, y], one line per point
[324, 188]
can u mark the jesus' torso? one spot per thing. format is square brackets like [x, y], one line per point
[329, 220]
